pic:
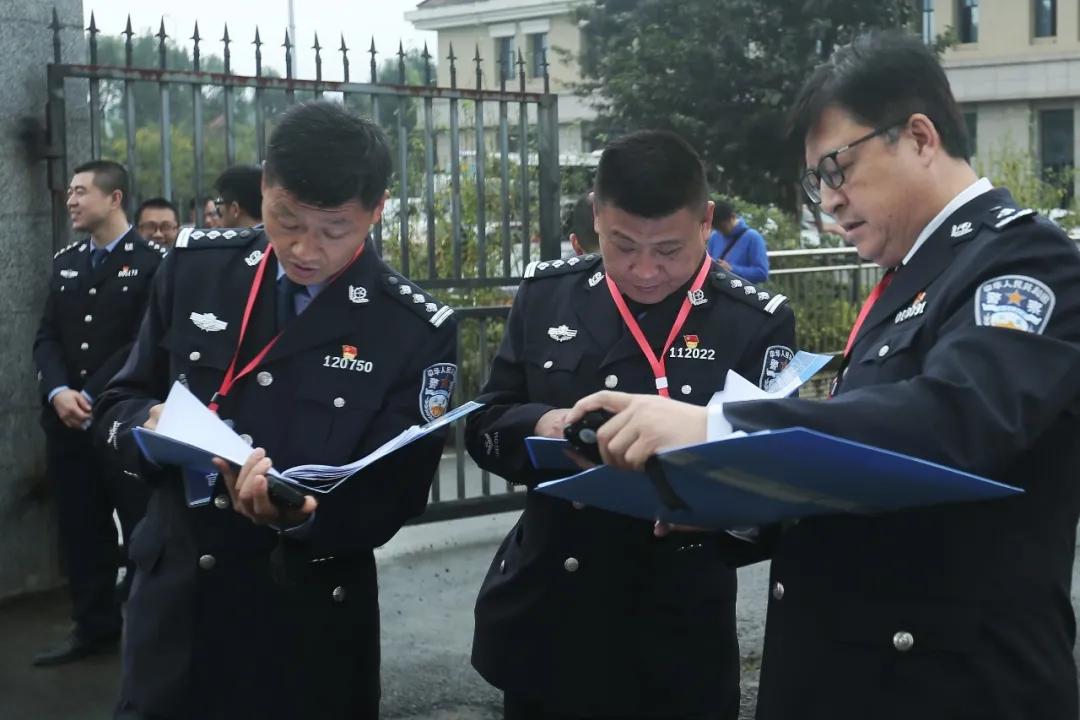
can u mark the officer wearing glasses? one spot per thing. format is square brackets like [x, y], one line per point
[965, 354]
[157, 220]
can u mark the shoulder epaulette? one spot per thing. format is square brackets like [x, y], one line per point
[550, 268]
[195, 238]
[736, 287]
[415, 298]
[72, 246]
[1001, 217]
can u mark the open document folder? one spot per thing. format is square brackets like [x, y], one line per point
[189, 435]
[771, 476]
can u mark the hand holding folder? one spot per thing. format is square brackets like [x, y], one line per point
[190, 436]
[764, 478]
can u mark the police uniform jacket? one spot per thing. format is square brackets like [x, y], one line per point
[92, 315]
[582, 609]
[228, 619]
[971, 358]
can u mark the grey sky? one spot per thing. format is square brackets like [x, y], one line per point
[358, 20]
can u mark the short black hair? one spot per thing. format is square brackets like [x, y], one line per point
[651, 174]
[157, 202]
[722, 210]
[242, 184]
[581, 224]
[326, 156]
[882, 77]
[109, 176]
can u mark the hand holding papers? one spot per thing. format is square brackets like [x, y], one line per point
[189, 435]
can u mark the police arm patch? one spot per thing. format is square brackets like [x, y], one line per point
[1014, 302]
[436, 388]
[776, 359]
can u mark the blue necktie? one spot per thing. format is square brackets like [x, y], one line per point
[287, 292]
[97, 256]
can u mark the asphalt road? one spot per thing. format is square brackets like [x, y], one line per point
[429, 576]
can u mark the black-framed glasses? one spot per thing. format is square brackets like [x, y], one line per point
[828, 169]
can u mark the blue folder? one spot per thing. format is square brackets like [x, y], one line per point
[764, 478]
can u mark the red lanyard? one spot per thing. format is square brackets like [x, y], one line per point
[867, 304]
[656, 363]
[231, 376]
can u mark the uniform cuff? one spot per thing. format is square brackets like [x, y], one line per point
[718, 425]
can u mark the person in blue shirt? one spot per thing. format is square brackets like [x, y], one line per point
[736, 246]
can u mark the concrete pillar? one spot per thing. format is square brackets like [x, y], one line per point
[28, 545]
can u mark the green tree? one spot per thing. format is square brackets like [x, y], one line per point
[722, 73]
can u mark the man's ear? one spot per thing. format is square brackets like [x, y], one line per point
[925, 134]
[576, 244]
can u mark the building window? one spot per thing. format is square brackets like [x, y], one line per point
[927, 21]
[1056, 149]
[504, 52]
[538, 49]
[968, 21]
[1045, 18]
[971, 122]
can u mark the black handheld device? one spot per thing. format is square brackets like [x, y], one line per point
[284, 495]
[582, 434]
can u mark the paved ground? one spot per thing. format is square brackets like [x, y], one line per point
[429, 576]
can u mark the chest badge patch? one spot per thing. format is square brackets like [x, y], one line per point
[561, 333]
[253, 259]
[358, 294]
[348, 361]
[208, 322]
[127, 272]
[916, 308]
[692, 350]
[1014, 302]
[69, 273]
[436, 387]
[697, 297]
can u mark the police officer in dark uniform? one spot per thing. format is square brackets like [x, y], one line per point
[97, 295]
[583, 609]
[967, 353]
[316, 352]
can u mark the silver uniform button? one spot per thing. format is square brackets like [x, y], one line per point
[338, 594]
[264, 378]
[88, 318]
[82, 373]
[84, 346]
[247, 438]
[883, 351]
[686, 389]
[611, 381]
[195, 356]
[778, 591]
[93, 291]
[548, 364]
[578, 505]
[123, 289]
[903, 641]
[571, 564]
[207, 562]
[339, 402]
[221, 502]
